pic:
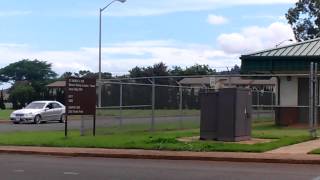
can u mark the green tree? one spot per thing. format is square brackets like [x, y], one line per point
[27, 70]
[198, 69]
[305, 19]
[36, 74]
[176, 71]
[20, 95]
[86, 74]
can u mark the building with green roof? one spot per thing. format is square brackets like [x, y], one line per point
[293, 63]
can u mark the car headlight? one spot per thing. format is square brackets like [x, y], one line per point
[29, 114]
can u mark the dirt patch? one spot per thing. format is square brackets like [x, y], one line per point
[249, 142]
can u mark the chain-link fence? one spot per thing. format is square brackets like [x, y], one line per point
[153, 104]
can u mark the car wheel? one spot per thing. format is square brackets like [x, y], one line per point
[16, 122]
[62, 118]
[37, 119]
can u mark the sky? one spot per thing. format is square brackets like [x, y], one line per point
[182, 33]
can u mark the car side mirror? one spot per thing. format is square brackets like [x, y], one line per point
[46, 109]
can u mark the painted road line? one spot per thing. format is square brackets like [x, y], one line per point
[71, 173]
[18, 171]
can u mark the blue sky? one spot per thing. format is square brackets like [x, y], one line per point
[139, 32]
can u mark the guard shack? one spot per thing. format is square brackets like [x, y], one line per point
[291, 66]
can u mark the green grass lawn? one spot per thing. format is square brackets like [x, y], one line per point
[130, 138]
[316, 151]
[4, 114]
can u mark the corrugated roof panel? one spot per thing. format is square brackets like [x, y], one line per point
[293, 51]
[280, 51]
[317, 53]
[265, 53]
[286, 51]
[314, 49]
[309, 48]
[272, 53]
[301, 49]
[306, 48]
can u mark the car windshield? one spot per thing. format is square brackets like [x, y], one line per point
[35, 106]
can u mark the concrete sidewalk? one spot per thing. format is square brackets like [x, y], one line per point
[167, 155]
[301, 148]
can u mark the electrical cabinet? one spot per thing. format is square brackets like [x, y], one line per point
[226, 115]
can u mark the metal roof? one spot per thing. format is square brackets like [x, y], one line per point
[57, 84]
[305, 48]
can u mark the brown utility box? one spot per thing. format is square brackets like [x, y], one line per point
[226, 115]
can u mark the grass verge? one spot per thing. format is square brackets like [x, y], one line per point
[159, 140]
[316, 151]
[4, 114]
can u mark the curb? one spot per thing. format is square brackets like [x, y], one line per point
[5, 122]
[166, 155]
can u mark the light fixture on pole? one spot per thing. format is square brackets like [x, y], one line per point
[290, 40]
[100, 30]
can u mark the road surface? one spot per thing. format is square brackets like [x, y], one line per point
[31, 167]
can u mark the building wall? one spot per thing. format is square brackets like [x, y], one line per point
[288, 91]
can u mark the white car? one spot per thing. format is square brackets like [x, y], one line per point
[39, 111]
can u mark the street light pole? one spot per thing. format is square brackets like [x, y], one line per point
[100, 33]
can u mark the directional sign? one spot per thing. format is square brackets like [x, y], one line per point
[80, 96]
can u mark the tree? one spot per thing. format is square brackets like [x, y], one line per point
[20, 95]
[26, 70]
[86, 74]
[177, 71]
[199, 70]
[2, 105]
[36, 74]
[305, 19]
[235, 70]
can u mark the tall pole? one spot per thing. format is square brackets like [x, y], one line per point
[100, 84]
[100, 26]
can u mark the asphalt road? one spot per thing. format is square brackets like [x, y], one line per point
[76, 124]
[31, 167]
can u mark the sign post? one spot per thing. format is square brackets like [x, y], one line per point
[80, 99]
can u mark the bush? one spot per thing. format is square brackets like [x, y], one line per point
[20, 95]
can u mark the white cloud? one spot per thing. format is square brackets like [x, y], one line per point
[121, 57]
[270, 17]
[14, 13]
[217, 20]
[255, 38]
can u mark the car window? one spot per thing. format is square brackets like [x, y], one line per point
[50, 106]
[56, 105]
[35, 106]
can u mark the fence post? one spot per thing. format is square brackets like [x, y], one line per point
[82, 125]
[272, 105]
[180, 105]
[311, 99]
[315, 111]
[120, 100]
[258, 103]
[153, 103]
